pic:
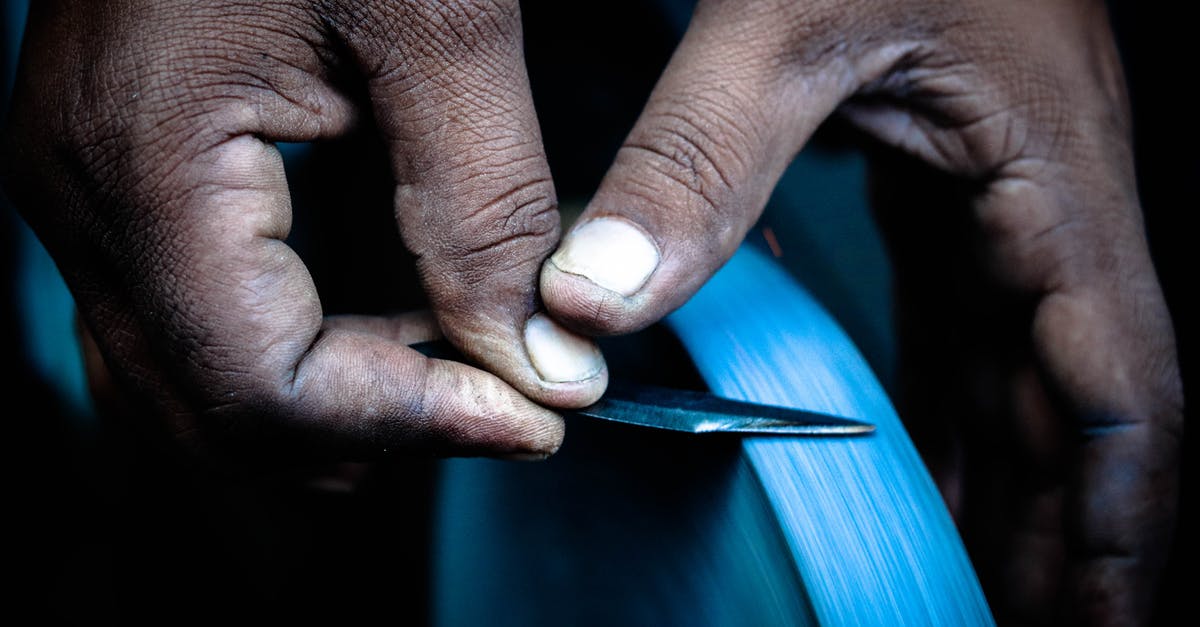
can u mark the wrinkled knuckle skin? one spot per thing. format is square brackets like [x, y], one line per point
[101, 115]
[515, 230]
[704, 159]
[103, 145]
[697, 166]
[685, 162]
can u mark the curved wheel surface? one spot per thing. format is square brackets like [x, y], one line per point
[631, 526]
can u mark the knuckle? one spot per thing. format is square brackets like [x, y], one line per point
[514, 229]
[120, 134]
[698, 147]
[191, 78]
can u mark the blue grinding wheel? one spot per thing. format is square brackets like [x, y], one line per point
[636, 527]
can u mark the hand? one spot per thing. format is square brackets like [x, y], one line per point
[1022, 107]
[140, 148]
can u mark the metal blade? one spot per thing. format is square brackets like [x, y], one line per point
[701, 412]
[690, 411]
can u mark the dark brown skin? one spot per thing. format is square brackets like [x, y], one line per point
[138, 149]
[1022, 103]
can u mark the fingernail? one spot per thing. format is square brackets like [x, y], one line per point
[558, 355]
[610, 252]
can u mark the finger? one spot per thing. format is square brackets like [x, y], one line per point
[1069, 231]
[474, 198]
[726, 118]
[490, 401]
[1057, 346]
[249, 337]
[1097, 404]
[1109, 349]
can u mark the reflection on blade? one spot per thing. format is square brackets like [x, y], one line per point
[700, 412]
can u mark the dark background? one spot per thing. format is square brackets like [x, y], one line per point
[104, 523]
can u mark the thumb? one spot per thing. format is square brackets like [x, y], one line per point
[727, 116]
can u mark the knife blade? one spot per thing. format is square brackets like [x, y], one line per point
[692, 411]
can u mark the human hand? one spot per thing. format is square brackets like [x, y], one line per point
[1073, 427]
[140, 149]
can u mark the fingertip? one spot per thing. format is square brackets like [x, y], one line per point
[491, 418]
[524, 438]
[543, 361]
[543, 441]
[536, 438]
[570, 368]
[559, 355]
[375, 394]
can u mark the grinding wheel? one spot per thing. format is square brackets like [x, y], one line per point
[632, 526]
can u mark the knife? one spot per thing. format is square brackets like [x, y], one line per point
[692, 411]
